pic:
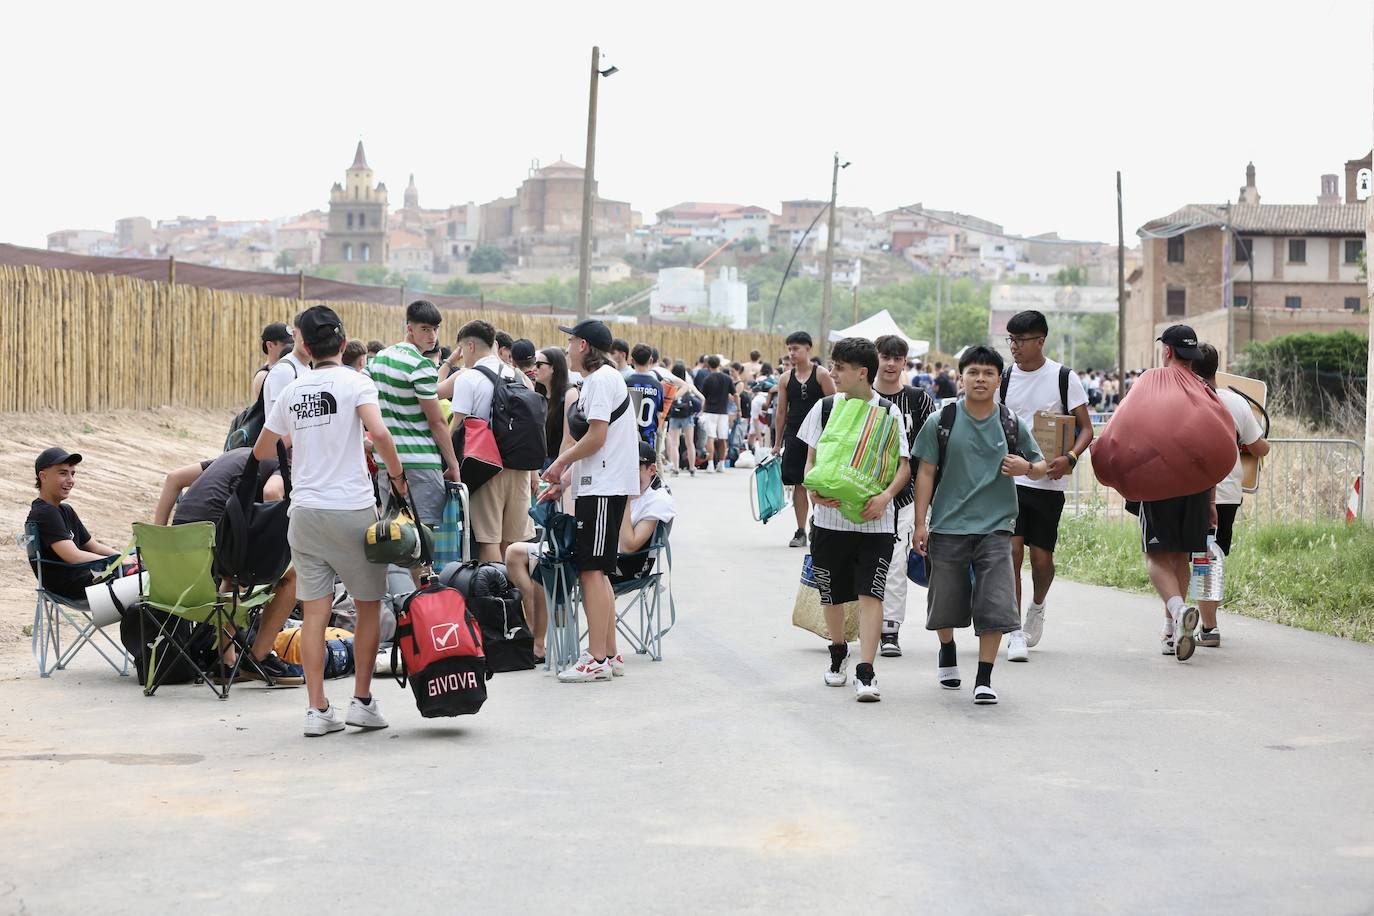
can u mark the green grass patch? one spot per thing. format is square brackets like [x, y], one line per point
[1315, 575]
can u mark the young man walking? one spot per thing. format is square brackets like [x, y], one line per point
[1031, 384]
[604, 472]
[915, 405]
[1173, 529]
[500, 507]
[1250, 439]
[719, 393]
[850, 560]
[324, 412]
[973, 513]
[799, 390]
[406, 383]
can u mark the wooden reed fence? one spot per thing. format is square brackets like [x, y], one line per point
[78, 342]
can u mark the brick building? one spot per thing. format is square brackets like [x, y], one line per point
[357, 233]
[1280, 268]
[542, 223]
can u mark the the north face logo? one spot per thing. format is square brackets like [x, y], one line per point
[314, 408]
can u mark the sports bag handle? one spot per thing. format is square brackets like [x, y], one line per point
[426, 553]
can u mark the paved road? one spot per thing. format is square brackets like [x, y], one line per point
[727, 777]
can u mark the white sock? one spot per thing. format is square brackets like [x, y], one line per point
[1175, 606]
[1036, 606]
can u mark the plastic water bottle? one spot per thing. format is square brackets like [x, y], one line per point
[1208, 571]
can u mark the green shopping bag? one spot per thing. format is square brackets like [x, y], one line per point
[857, 456]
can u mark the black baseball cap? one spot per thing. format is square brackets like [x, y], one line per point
[593, 332]
[319, 324]
[1183, 340]
[647, 455]
[522, 350]
[51, 457]
[276, 331]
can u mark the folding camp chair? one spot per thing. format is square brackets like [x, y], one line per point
[646, 593]
[178, 562]
[51, 610]
[557, 570]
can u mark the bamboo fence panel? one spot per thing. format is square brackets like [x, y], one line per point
[77, 342]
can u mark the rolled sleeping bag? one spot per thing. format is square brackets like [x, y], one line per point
[1172, 437]
[105, 598]
[476, 580]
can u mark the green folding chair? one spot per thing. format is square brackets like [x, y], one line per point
[178, 560]
[52, 610]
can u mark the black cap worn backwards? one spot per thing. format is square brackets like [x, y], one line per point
[593, 332]
[51, 457]
[319, 324]
[522, 350]
[1183, 340]
[275, 332]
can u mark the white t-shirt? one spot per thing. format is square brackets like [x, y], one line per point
[654, 504]
[614, 470]
[286, 371]
[472, 390]
[1029, 392]
[758, 405]
[319, 411]
[826, 517]
[1248, 430]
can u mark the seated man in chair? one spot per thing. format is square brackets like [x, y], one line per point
[208, 485]
[654, 504]
[62, 537]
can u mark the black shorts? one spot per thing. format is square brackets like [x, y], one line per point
[1226, 521]
[848, 564]
[793, 460]
[598, 531]
[1177, 525]
[1037, 516]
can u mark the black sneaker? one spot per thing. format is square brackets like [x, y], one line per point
[281, 674]
[889, 647]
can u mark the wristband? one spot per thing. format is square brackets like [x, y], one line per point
[400, 476]
[1073, 458]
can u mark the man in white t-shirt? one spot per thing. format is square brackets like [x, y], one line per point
[323, 414]
[603, 466]
[1250, 439]
[1031, 384]
[284, 371]
[500, 507]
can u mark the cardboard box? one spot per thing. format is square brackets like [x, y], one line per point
[1054, 433]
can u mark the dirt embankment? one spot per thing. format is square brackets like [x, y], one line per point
[125, 456]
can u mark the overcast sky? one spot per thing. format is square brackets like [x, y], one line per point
[1017, 112]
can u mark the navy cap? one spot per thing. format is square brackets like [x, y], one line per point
[593, 332]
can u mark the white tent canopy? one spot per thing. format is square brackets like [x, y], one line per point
[875, 326]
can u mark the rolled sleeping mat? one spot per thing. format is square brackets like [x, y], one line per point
[105, 598]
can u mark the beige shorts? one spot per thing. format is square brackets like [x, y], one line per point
[329, 542]
[501, 509]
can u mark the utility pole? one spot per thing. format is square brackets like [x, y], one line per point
[1367, 515]
[584, 253]
[856, 306]
[829, 261]
[939, 303]
[1120, 284]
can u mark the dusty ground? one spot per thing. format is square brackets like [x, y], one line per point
[125, 456]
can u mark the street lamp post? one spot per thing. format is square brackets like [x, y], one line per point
[826, 288]
[584, 254]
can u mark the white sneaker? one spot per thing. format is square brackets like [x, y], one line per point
[1185, 626]
[1016, 647]
[366, 717]
[867, 693]
[617, 663]
[322, 723]
[1034, 627]
[586, 670]
[1166, 639]
[835, 677]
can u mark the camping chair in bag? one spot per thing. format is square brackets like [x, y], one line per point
[647, 597]
[557, 570]
[51, 610]
[178, 561]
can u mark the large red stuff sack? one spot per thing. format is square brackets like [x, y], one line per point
[1171, 437]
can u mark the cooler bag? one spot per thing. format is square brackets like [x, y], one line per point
[438, 648]
[768, 496]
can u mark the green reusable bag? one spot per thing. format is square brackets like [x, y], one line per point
[858, 454]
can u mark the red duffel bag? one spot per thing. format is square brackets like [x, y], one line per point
[1171, 437]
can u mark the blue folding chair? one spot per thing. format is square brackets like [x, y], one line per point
[646, 591]
[52, 610]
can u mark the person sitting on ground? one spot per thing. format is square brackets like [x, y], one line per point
[355, 356]
[61, 536]
[653, 505]
[208, 486]
[973, 515]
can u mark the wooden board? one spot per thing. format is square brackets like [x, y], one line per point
[1259, 391]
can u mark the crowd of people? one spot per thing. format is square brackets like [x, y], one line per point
[970, 493]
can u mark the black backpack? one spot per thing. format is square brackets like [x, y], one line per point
[688, 405]
[517, 422]
[245, 428]
[499, 609]
[251, 549]
[950, 412]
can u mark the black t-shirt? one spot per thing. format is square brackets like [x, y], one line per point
[204, 500]
[944, 386]
[700, 376]
[60, 523]
[716, 388]
[915, 405]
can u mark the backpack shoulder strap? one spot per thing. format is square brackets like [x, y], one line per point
[827, 405]
[491, 376]
[948, 413]
[1064, 373]
[1006, 383]
[1011, 428]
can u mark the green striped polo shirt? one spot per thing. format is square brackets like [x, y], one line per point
[404, 377]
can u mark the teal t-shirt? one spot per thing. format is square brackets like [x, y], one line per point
[974, 496]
